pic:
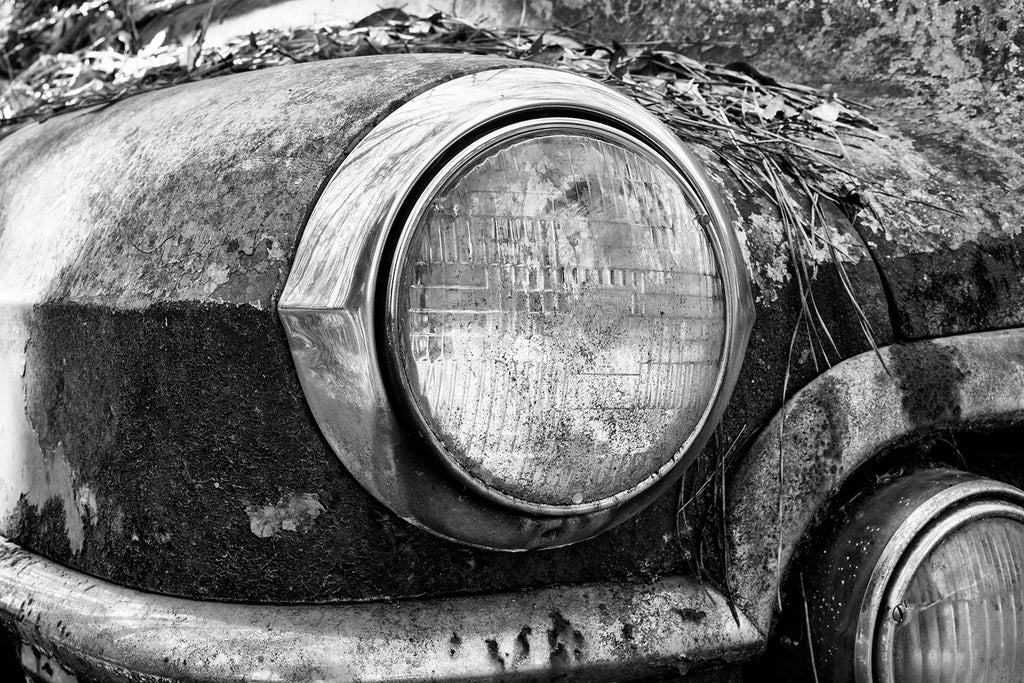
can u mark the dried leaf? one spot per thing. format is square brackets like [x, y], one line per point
[826, 111]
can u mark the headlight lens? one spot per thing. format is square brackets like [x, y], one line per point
[961, 615]
[556, 314]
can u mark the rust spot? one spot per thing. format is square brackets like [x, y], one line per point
[565, 642]
[494, 653]
[689, 614]
[522, 645]
[929, 378]
[455, 644]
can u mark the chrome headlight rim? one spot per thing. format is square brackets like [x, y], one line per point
[342, 261]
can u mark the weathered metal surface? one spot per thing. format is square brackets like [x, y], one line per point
[196, 193]
[839, 421]
[591, 632]
[945, 80]
[184, 433]
[945, 223]
[959, 43]
[155, 430]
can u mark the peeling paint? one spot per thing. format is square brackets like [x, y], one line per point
[30, 478]
[521, 650]
[296, 512]
[454, 645]
[495, 653]
[565, 643]
[690, 614]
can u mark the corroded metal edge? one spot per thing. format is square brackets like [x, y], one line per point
[329, 303]
[839, 421]
[591, 631]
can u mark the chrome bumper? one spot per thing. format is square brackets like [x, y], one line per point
[606, 630]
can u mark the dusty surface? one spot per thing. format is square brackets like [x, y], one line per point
[154, 413]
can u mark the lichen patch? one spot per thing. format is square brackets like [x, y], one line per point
[295, 512]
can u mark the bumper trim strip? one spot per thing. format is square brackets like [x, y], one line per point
[101, 630]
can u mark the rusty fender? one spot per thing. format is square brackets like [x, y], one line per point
[840, 420]
[608, 631]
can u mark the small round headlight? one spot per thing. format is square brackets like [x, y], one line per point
[557, 316]
[925, 582]
[955, 608]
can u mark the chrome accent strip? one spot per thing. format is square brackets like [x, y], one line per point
[328, 307]
[597, 631]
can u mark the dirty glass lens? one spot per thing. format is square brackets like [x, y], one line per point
[965, 608]
[560, 317]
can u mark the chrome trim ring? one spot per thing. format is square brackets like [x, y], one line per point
[922, 531]
[329, 306]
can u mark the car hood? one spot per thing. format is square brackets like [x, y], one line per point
[942, 213]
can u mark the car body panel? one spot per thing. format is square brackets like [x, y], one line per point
[841, 420]
[163, 440]
[952, 263]
[945, 83]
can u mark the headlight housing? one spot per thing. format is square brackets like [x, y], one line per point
[925, 583]
[518, 309]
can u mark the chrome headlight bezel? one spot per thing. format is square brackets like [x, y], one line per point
[333, 311]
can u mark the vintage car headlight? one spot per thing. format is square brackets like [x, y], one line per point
[518, 309]
[556, 314]
[926, 583]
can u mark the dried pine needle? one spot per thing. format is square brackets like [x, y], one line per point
[785, 141]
